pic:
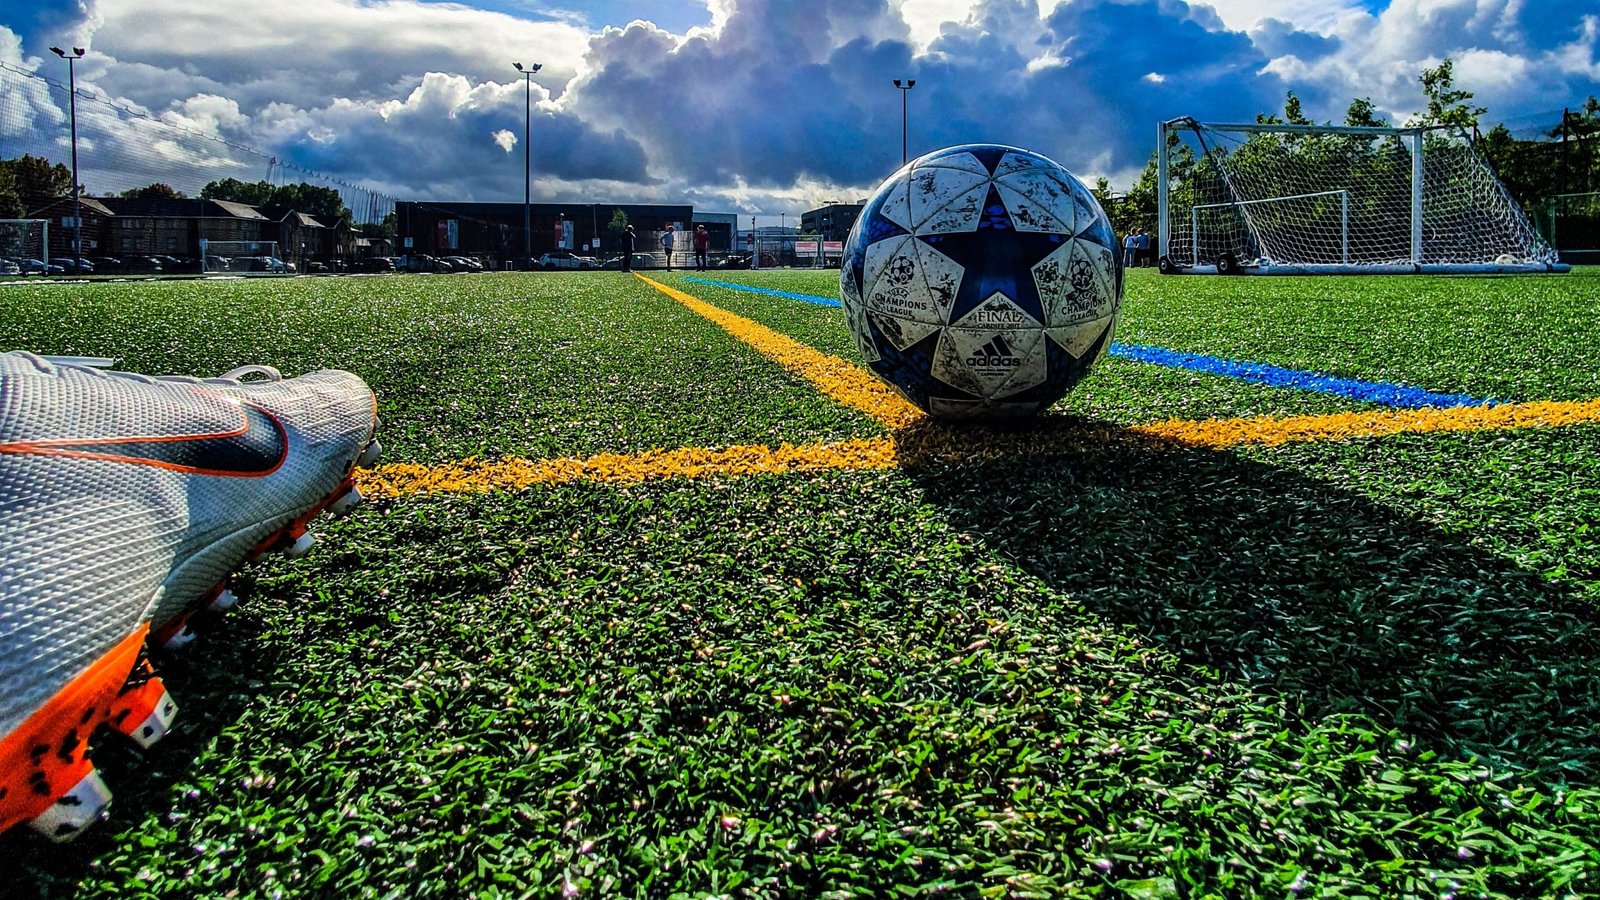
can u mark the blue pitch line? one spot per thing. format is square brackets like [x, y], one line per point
[1397, 395]
[809, 298]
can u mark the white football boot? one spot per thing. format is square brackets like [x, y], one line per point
[125, 502]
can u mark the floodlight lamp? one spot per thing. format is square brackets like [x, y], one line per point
[77, 51]
[912, 83]
[518, 65]
[59, 52]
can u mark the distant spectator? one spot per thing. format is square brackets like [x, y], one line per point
[666, 245]
[1130, 250]
[702, 247]
[628, 239]
[1144, 249]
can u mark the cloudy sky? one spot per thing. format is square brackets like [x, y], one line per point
[769, 106]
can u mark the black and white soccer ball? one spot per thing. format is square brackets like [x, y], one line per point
[981, 281]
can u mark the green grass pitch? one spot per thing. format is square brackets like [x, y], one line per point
[1359, 668]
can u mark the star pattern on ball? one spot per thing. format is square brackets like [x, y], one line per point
[996, 266]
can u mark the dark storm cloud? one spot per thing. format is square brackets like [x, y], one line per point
[769, 102]
[1275, 37]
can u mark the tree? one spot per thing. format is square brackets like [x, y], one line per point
[1446, 104]
[321, 203]
[10, 202]
[36, 182]
[619, 220]
[388, 229]
[156, 191]
[1362, 114]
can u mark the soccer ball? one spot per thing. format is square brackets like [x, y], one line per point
[981, 281]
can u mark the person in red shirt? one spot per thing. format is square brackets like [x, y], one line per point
[702, 245]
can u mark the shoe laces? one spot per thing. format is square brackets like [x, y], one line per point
[101, 366]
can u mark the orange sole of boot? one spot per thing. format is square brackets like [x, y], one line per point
[46, 757]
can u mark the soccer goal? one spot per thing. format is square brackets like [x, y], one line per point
[1572, 224]
[1323, 199]
[25, 239]
[240, 258]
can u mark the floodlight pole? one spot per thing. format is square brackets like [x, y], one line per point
[905, 88]
[72, 102]
[527, 161]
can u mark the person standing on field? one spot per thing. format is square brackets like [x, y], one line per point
[628, 236]
[702, 247]
[1130, 247]
[666, 245]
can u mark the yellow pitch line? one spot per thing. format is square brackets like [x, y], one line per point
[932, 443]
[686, 462]
[1337, 426]
[846, 383]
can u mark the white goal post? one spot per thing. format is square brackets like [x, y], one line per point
[1273, 199]
[25, 239]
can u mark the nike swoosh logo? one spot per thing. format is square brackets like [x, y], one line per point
[258, 447]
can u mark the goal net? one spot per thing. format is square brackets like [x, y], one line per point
[22, 239]
[241, 257]
[1306, 199]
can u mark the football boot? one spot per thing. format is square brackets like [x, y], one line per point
[125, 503]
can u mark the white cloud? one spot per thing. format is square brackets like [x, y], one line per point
[776, 101]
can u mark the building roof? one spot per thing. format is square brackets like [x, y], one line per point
[90, 206]
[181, 208]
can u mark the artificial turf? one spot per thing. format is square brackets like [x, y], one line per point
[1351, 668]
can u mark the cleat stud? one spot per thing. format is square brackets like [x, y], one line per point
[342, 506]
[75, 810]
[156, 725]
[224, 601]
[145, 711]
[370, 455]
[300, 547]
[179, 639]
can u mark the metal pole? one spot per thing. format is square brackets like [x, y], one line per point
[905, 87]
[527, 166]
[1163, 230]
[1344, 226]
[527, 162]
[72, 104]
[1416, 198]
[77, 212]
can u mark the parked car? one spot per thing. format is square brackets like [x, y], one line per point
[421, 262]
[38, 267]
[106, 265]
[464, 263]
[742, 261]
[640, 261]
[72, 266]
[374, 264]
[143, 265]
[7, 267]
[562, 259]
